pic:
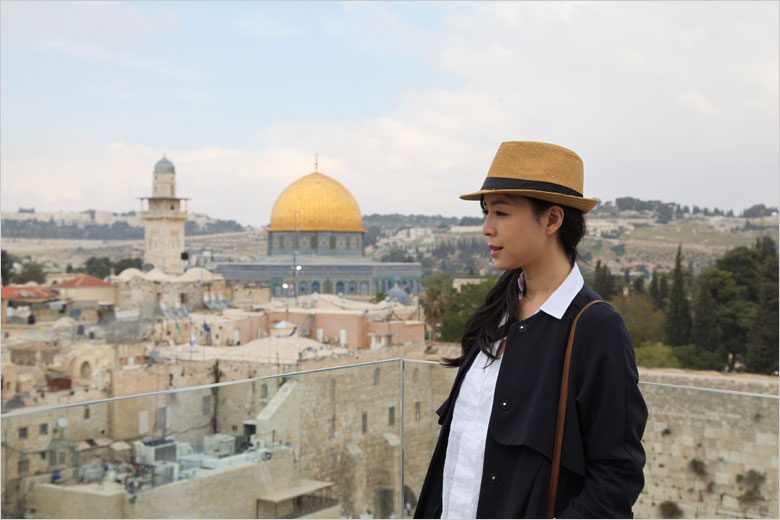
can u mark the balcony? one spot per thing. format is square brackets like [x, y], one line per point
[352, 441]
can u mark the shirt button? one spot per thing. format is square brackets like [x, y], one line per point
[522, 327]
[494, 478]
[504, 405]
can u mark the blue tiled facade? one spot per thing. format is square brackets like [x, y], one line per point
[326, 276]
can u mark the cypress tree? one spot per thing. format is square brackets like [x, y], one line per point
[663, 291]
[654, 291]
[762, 355]
[603, 283]
[678, 318]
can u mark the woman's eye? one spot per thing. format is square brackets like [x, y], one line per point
[485, 212]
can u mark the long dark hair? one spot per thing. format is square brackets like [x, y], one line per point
[481, 329]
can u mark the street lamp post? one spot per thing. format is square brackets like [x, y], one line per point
[286, 301]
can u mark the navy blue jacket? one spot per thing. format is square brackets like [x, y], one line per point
[602, 456]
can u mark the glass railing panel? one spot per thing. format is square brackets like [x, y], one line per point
[426, 387]
[324, 444]
[710, 454]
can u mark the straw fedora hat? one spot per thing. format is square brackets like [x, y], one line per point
[540, 170]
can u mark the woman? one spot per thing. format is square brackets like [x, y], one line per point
[494, 452]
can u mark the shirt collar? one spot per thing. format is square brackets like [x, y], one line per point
[560, 300]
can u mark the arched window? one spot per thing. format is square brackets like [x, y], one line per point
[328, 288]
[339, 287]
[315, 287]
[86, 371]
[352, 287]
[302, 289]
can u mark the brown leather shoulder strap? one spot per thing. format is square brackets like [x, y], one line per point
[556, 461]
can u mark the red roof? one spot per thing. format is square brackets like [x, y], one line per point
[84, 280]
[15, 293]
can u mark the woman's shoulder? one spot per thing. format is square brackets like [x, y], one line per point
[599, 314]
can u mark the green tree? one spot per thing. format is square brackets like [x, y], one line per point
[654, 290]
[437, 295]
[762, 356]
[638, 286]
[31, 272]
[462, 306]
[678, 318]
[603, 281]
[712, 319]
[663, 291]
[99, 267]
[656, 355]
[7, 264]
[644, 322]
[126, 263]
[743, 263]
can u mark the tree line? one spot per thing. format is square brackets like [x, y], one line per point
[99, 267]
[725, 318]
[117, 231]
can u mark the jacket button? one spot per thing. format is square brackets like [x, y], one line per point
[493, 478]
[504, 405]
[522, 327]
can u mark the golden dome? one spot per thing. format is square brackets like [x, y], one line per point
[316, 202]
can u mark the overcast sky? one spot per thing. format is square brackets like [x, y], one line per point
[406, 103]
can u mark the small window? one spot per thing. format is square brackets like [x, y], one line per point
[391, 416]
[207, 404]
[43, 455]
[24, 466]
[365, 422]
[331, 427]
[332, 388]
[376, 376]
[417, 411]
[159, 418]
[264, 391]
[86, 412]
[23, 433]
[43, 429]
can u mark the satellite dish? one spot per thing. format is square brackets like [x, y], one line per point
[62, 422]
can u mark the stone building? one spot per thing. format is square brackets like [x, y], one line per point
[164, 221]
[146, 291]
[87, 288]
[315, 245]
[346, 442]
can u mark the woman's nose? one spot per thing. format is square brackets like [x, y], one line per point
[487, 228]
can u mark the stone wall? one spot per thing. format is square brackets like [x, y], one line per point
[701, 448]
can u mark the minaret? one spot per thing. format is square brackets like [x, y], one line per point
[164, 221]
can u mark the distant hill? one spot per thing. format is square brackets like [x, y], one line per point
[92, 225]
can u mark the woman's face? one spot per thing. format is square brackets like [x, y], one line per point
[517, 238]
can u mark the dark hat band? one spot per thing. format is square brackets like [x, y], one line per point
[506, 183]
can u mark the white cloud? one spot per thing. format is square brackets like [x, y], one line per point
[101, 31]
[662, 101]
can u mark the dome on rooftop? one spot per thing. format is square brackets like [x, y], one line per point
[316, 202]
[397, 294]
[164, 166]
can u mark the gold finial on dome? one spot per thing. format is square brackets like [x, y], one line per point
[316, 162]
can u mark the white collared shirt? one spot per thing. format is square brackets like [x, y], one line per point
[462, 475]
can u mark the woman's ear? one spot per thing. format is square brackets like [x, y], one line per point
[554, 219]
